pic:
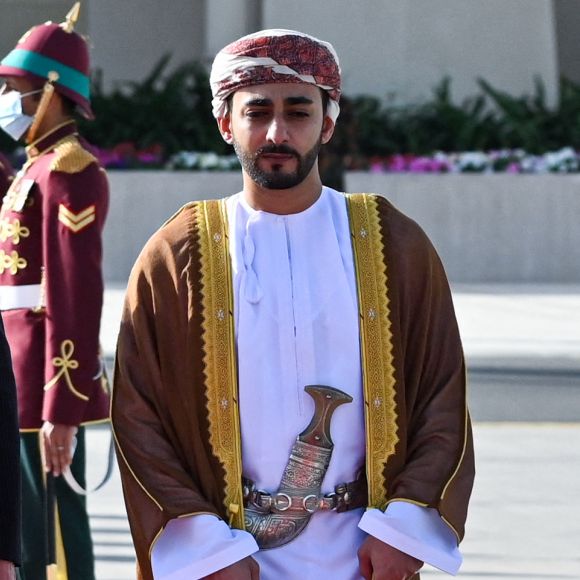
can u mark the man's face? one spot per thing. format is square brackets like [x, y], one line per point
[23, 86]
[276, 131]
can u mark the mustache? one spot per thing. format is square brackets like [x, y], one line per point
[277, 149]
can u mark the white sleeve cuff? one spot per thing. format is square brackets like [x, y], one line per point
[417, 531]
[196, 546]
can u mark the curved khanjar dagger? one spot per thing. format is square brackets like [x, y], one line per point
[280, 521]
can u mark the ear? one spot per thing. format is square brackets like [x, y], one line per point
[327, 130]
[225, 127]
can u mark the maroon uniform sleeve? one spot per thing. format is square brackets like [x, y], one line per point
[75, 208]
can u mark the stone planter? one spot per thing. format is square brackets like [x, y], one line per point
[487, 228]
[141, 201]
[492, 228]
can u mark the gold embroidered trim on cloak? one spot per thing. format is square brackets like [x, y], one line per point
[452, 528]
[71, 157]
[407, 500]
[128, 466]
[65, 362]
[458, 466]
[376, 342]
[219, 351]
[465, 424]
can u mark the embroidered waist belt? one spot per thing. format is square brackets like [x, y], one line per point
[25, 296]
[275, 520]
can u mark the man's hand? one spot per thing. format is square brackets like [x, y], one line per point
[7, 571]
[58, 446]
[246, 569]
[379, 561]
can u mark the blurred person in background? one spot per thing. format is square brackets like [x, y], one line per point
[51, 288]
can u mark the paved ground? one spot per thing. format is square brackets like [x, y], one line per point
[522, 345]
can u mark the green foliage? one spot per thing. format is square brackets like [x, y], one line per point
[168, 110]
[528, 123]
[491, 120]
[174, 111]
[438, 125]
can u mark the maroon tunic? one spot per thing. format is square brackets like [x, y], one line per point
[50, 240]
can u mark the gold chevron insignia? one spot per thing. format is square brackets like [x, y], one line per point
[76, 221]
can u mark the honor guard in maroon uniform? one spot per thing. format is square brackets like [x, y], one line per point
[51, 286]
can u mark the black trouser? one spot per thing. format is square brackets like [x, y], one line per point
[73, 536]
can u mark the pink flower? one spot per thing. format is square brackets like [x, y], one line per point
[398, 163]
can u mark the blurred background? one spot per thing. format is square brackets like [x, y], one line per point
[445, 87]
[466, 115]
[418, 75]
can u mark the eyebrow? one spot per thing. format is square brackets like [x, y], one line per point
[263, 102]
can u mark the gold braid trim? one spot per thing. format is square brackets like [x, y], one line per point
[65, 362]
[71, 157]
[219, 351]
[376, 342]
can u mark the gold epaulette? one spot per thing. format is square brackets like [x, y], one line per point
[71, 157]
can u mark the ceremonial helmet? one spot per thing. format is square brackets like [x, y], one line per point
[54, 53]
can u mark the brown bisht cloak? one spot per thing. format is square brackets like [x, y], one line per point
[175, 404]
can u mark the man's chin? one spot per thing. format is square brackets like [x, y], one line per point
[277, 180]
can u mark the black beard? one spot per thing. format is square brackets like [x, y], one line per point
[277, 179]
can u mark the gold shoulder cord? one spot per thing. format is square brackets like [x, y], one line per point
[219, 351]
[376, 342]
[71, 157]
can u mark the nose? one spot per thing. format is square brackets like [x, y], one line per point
[277, 131]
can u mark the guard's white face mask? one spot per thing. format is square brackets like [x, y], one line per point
[12, 120]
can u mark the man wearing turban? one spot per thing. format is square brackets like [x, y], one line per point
[288, 357]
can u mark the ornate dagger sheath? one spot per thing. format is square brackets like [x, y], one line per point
[275, 520]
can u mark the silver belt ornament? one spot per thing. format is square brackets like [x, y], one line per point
[275, 520]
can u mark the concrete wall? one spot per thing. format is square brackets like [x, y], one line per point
[128, 37]
[405, 48]
[492, 228]
[487, 228]
[567, 15]
[18, 16]
[143, 200]
[227, 20]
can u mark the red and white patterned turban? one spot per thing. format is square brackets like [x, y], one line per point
[275, 56]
